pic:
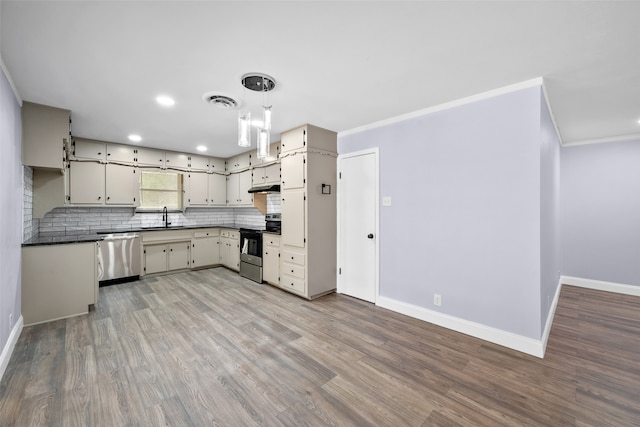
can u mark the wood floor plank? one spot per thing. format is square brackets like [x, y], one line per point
[209, 347]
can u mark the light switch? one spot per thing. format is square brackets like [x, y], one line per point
[386, 201]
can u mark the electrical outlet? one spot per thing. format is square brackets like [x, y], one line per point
[386, 201]
[437, 300]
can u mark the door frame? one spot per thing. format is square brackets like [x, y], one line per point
[375, 152]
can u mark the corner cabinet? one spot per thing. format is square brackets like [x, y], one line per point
[45, 130]
[308, 240]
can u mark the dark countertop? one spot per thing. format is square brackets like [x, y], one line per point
[94, 236]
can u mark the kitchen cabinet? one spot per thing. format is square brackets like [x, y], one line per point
[179, 256]
[240, 162]
[179, 161]
[124, 154]
[230, 249]
[308, 240]
[45, 130]
[205, 248]
[122, 185]
[83, 149]
[86, 183]
[58, 281]
[149, 157]
[293, 210]
[204, 189]
[155, 259]
[217, 165]
[293, 170]
[198, 163]
[238, 185]
[266, 175]
[271, 258]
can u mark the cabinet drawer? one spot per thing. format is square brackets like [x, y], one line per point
[292, 283]
[293, 270]
[293, 257]
[224, 233]
[270, 240]
[198, 234]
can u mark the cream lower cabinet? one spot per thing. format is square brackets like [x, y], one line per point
[230, 249]
[155, 258]
[271, 258]
[58, 281]
[205, 248]
[160, 258]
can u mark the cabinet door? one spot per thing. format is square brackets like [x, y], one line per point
[199, 163]
[179, 255]
[121, 154]
[176, 160]
[271, 259]
[294, 139]
[233, 186]
[224, 250]
[89, 150]
[198, 189]
[122, 185]
[244, 184]
[217, 189]
[257, 176]
[149, 157]
[86, 183]
[272, 174]
[217, 165]
[293, 214]
[234, 250]
[292, 171]
[44, 130]
[205, 251]
[155, 259]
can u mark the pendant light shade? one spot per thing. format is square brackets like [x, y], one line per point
[266, 118]
[244, 129]
[264, 141]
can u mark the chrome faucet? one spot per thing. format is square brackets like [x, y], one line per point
[165, 217]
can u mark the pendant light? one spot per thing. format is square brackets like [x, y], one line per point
[257, 82]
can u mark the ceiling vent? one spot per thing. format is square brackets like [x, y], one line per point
[220, 100]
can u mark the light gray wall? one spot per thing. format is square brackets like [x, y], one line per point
[465, 220]
[600, 212]
[10, 209]
[550, 261]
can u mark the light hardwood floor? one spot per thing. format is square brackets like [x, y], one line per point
[211, 348]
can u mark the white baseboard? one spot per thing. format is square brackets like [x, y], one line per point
[497, 336]
[7, 351]
[618, 288]
[550, 316]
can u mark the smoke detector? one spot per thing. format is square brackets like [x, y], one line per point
[221, 100]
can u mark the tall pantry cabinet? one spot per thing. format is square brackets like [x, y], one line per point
[308, 184]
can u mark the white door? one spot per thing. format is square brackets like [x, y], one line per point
[358, 225]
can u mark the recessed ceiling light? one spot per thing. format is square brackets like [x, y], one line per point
[165, 101]
[135, 138]
[201, 148]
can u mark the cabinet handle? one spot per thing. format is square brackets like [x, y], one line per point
[108, 198]
[99, 154]
[99, 197]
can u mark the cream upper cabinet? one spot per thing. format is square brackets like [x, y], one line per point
[217, 165]
[238, 185]
[173, 160]
[240, 162]
[118, 153]
[86, 183]
[122, 185]
[266, 175]
[89, 150]
[308, 241]
[293, 170]
[44, 132]
[197, 193]
[217, 189]
[149, 157]
[198, 163]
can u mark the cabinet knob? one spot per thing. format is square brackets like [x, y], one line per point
[99, 197]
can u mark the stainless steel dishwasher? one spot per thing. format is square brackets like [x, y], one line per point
[119, 258]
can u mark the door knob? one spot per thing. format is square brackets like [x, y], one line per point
[370, 235]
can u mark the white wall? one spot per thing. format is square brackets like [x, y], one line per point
[10, 215]
[466, 215]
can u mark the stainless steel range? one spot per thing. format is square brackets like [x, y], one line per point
[251, 254]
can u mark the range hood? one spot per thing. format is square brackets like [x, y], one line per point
[274, 188]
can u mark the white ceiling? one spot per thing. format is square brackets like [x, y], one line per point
[337, 64]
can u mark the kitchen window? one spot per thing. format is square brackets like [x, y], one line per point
[160, 189]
